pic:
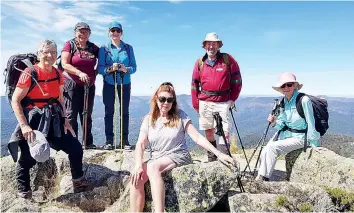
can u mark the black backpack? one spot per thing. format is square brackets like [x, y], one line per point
[73, 49]
[320, 111]
[15, 67]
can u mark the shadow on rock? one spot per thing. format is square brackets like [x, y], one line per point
[105, 188]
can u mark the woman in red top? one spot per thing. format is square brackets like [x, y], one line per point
[45, 98]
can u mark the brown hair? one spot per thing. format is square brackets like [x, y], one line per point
[173, 115]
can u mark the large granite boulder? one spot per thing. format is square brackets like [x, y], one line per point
[325, 169]
[195, 187]
[190, 188]
[281, 197]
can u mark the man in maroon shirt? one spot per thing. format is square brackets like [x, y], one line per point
[216, 84]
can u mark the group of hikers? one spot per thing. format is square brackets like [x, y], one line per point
[51, 106]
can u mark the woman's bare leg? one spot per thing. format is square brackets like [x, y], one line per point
[137, 193]
[154, 171]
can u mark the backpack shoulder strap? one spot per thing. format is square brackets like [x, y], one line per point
[127, 49]
[33, 73]
[299, 108]
[226, 59]
[58, 75]
[73, 46]
[200, 64]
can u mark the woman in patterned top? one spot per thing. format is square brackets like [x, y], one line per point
[164, 128]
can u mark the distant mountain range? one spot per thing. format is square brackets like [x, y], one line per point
[250, 117]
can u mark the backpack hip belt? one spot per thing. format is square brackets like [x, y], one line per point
[219, 93]
[285, 128]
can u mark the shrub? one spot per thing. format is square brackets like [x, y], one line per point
[306, 207]
[281, 201]
[343, 200]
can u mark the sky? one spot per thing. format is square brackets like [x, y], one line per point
[314, 40]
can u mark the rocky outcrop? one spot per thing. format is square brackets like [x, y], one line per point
[280, 197]
[197, 187]
[325, 169]
[191, 188]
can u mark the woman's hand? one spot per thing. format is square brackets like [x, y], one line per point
[67, 127]
[318, 149]
[84, 77]
[27, 132]
[137, 174]
[272, 119]
[227, 160]
[123, 68]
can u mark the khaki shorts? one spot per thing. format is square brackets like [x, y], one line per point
[206, 119]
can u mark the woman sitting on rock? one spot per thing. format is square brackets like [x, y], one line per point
[164, 128]
[288, 116]
[41, 108]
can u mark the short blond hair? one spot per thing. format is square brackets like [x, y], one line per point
[46, 43]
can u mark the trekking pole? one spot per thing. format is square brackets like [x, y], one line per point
[244, 152]
[115, 109]
[84, 114]
[221, 133]
[262, 139]
[121, 110]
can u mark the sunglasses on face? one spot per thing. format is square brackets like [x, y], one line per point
[287, 85]
[115, 30]
[164, 99]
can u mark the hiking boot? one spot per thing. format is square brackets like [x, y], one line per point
[127, 146]
[108, 146]
[91, 146]
[211, 156]
[80, 185]
[26, 195]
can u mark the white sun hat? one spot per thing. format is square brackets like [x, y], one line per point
[212, 37]
[284, 78]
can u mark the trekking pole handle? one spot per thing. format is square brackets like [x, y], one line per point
[275, 109]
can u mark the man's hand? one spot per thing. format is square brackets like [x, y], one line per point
[231, 104]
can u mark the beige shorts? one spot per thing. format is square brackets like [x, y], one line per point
[206, 119]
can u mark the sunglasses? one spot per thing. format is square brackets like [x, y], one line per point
[287, 85]
[115, 30]
[164, 99]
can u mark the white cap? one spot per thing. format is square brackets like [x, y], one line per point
[39, 148]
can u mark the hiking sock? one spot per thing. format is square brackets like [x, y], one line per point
[211, 156]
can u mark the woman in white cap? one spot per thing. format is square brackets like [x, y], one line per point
[293, 128]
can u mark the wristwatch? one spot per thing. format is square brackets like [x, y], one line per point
[23, 125]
